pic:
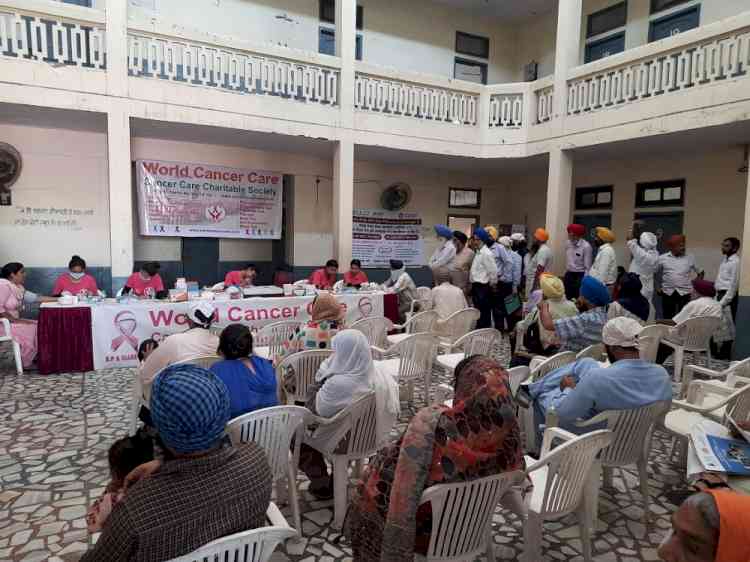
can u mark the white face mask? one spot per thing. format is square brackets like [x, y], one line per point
[77, 276]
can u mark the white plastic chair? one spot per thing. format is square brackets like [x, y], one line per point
[348, 436]
[303, 366]
[696, 337]
[560, 478]
[420, 322]
[478, 342]
[550, 364]
[457, 325]
[136, 401]
[415, 357]
[206, 361]
[422, 302]
[16, 347]
[737, 369]
[516, 375]
[269, 341]
[273, 429]
[248, 546]
[375, 329]
[595, 352]
[462, 516]
[649, 339]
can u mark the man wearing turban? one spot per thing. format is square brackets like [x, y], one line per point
[579, 257]
[446, 251]
[460, 265]
[203, 490]
[605, 265]
[483, 277]
[645, 258]
[538, 260]
[677, 271]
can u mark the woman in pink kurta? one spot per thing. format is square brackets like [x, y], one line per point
[11, 302]
[145, 282]
[76, 281]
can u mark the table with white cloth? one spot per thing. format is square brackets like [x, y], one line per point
[117, 328]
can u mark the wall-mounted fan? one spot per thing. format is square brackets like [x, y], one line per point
[10, 169]
[396, 196]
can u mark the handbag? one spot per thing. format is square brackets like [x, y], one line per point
[512, 303]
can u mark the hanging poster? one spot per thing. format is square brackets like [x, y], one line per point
[380, 236]
[182, 199]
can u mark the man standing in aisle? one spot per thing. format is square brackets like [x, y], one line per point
[538, 260]
[460, 266]
[446, 251]
[677, 270]
[483, 277]
[520, 248]
[504, 262]
[579, 257]
[605, 264]
[727, 283]
[642, 247]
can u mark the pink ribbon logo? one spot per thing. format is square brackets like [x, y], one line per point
[126, 324]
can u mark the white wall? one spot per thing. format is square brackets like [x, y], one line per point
[536, 41]
[62, 169]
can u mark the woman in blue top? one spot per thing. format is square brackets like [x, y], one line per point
[250, 379]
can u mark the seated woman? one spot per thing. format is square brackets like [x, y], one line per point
[342, 378]
[477, 437]
[403, 285]
[251, 380]
[326, 318]
[242, 277]
[630, 301]
[146, 282]
[76, 281]
[355, 277]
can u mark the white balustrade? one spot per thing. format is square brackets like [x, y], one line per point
[506, 111]
[52, 39]
[544, 104]
[231, 70]
[428, 103]
[690, 65]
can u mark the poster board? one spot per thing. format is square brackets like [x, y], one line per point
[379, 236]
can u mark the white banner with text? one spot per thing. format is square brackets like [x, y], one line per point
[380, 236]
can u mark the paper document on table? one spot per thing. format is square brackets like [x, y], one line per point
[718, 454]
[703, 450]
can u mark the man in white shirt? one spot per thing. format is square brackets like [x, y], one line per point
[579, 257]
[642, 247]
[605, 265]
[727, 283]
[460, 266]
[446, 251]
[483, 277]
[447, 299]
[677, 270]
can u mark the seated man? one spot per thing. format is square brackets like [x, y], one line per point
[196, 342]
[446, 298]
[325, 277]
[585, 388]
[401, 283]
[703, 303]
[578, 332]
[204, 490]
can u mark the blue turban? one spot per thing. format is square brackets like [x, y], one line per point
[443, 231]
[595, 291]
[189, 407]
[483, 235]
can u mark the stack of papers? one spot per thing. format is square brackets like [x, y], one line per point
[720, 454]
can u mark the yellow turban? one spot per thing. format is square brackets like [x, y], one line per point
[492, 231]
[541, 235]
[605, 234]
[552, 287]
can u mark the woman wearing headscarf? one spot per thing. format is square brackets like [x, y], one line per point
[630, 301]
[401, 283]
[710, 526]
[605, 263]
[478, 436]
[326, 319]
[538, 260]
[645, 260]
[345, 376]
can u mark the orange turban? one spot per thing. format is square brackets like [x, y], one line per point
[605, 234]
[541, 235]
[734, 531]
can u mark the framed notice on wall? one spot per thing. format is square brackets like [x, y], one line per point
[464, 198]
[380, 236]
[200, 200]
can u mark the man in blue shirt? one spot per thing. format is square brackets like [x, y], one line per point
[584, 389]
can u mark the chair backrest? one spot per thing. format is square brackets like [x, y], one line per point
[272, 429]
[206, 362]
[516, 376]
[462, 514]
[740, 368]
[422, 322]
[479, 342]
[303, 365]
[424, 294]
[696, 332]
[248, 546]
[738, 405]
[569, 466]
[375, 329]
[554, 362]
[361, 439]
[460, 323]
[648, 341]
[274, 335]
[595, 351]
[417, 353]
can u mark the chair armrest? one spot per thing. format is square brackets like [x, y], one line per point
[608, 416]
[274, 516]
[6, 326]
[380, 353]
[685, 405]
[706, 371]
[551, 433]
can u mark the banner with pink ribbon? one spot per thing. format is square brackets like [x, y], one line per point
[118, 329]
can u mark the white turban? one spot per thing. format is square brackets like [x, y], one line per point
[648, 241]
[201, 312]
[505, 241]
[517, 237]
[621, 332]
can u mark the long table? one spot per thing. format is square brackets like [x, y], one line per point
[106, 335]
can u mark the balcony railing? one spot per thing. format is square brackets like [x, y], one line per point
[506, 110]
[694, 59]
[213, 65]
[53, 38]
[544, 94]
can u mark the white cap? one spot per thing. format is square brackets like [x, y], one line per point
[517, 237]
[622, 332]
[206, 310]
[505, 241]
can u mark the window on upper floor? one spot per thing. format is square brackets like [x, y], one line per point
[605, 32]
[472, 56]
[327, 43]
[328, 13]
[661, 5]
[588, 198]
[670, 193]
[661, 27]
[327, 31]
[85, 3]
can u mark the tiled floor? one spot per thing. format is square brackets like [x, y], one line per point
[55, 432]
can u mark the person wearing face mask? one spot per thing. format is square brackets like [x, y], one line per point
[146, 282]
[76, 281]
[709, 527]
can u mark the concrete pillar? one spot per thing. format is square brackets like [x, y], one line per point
[559, 188]
[343, 201]
[742, 343]
[120, 196]
[117, 47]
[346, 43]
[567, 50]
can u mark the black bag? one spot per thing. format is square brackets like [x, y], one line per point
[532, 340]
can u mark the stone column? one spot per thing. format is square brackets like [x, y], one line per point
[567, 51]
[117, 47]
[346, 43]
[120, 195]
[343, 201]
[559, 188]
[742, 343]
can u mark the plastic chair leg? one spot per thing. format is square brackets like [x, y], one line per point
[591, 498]
[17, 357]
[340, 490]
[294, 499]
[679, 356]
[489, 550]
[583, 524]
[532, 539]
[643, 477]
